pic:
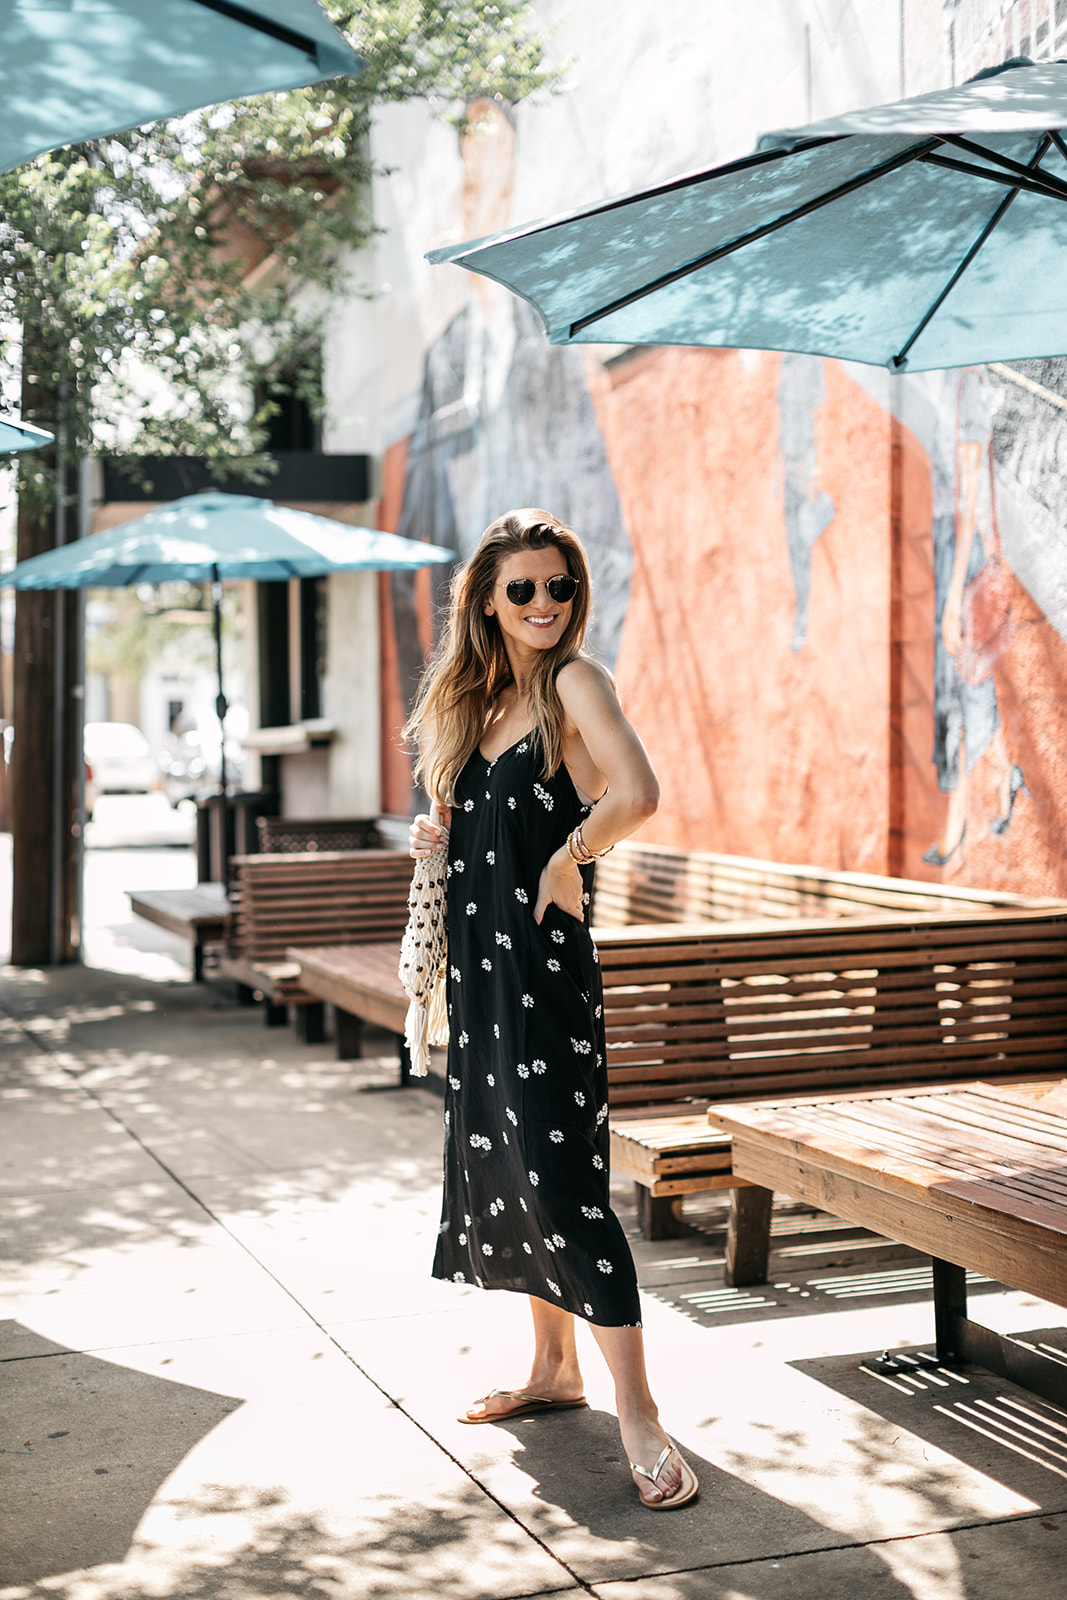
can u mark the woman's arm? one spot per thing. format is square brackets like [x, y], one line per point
[595, 718]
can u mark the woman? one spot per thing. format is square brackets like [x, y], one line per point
[534, 772]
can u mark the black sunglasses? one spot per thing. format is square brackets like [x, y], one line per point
[520, 591]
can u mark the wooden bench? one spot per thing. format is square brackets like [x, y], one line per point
[362, 984]
[307, 898]
[974, 1176]
[201, 915]
[710, 1014]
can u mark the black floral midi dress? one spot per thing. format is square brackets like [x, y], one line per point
[526, 1148]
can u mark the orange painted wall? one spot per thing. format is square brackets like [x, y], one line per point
[760, 750]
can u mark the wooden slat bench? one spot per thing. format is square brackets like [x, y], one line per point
[709, 1014]
[307, 898]
[361, 982]
[201, 915]
[974, 1176]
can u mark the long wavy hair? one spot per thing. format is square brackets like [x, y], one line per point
[470, 667]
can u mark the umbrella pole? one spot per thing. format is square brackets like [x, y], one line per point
[220, 711]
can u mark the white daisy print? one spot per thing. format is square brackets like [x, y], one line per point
[459, 866]
[490, 856]
[468, 805]
[463, 1041]
[534, 1179]
[523, 1204]
[527, 1001]
[504, 940]
[594, 1213]
[480, 1142]
[522, 897]
[549, 1246]
[539, 1067]
[552, 964]
[587, 1308]
[458, 1277]
[601, 1114]
[487, 965]
[523, 1070]
[582, 1047]
[557, 936]
[490, 1080]
[605, 1266]
[526, 1247]
[521, 749]
[511, 802]
[598, 1163]
[487, 1249]
[579, 1098]
[556, 1136]
[454, 1082]
[463, 1238]
[598, 1011]
[457, 976]
[554, 1287]
[543, 795]
[496, 1030]
[471, 908]
[512, 1118]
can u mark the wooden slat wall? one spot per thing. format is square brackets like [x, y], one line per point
[654, 883]
[319, 897]
[697, 1014]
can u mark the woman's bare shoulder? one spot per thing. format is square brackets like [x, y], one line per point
[583, 676]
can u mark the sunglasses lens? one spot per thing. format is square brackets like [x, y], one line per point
[563, 588]
[520, 591]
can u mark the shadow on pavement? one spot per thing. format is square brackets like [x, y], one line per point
[86, 1445]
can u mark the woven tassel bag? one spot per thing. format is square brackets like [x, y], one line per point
[424, 960]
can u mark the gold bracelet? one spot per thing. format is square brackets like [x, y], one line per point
[577, 851]
[587, 854]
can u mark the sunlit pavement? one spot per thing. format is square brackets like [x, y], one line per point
[228, 1374]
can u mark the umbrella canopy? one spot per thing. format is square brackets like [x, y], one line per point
[931, 232]
[80, 71]
[209, 537]
[18, 435]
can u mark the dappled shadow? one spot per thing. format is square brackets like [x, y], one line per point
[87, 1444]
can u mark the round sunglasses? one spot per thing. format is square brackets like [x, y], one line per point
[520, 591]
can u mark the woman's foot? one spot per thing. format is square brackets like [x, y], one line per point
[668, 1463]
[644, 1443]
[544, 1390]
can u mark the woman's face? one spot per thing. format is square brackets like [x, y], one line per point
[542, 622]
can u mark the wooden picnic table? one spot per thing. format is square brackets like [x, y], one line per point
[975, 1175]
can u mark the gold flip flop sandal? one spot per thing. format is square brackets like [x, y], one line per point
[687, 1490]
[526, 1405]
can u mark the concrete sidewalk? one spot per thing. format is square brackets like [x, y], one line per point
[227, 1373]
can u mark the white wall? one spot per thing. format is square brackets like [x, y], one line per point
[352, 699]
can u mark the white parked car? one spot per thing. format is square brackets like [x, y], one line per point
[117, 761]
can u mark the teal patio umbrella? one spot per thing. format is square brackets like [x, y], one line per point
[931, 232]
[207, 538]
[18, 435]
[81, 69]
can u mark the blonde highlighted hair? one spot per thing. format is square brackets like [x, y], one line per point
[470, 666]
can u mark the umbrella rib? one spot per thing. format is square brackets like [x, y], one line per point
[1006, 161]
[1057, 139]
[901, 357]
[902, 158]
[1052, 190]
[275, 30]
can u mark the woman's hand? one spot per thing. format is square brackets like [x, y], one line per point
[427, 834]
[561, 884]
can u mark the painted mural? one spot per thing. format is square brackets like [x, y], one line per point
[505, 419]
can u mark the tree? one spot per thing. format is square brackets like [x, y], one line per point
[131, 256]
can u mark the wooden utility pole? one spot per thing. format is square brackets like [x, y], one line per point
[46, 765]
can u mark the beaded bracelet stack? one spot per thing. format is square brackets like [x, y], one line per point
[580, 852]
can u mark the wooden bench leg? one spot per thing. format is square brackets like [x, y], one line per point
[950, 1308]
[348, 1031]
[275, 1016]
[198, 961]
[245, 995]
[748, 1236]
[405, 1060]
[657, 1214]
[311, 1022]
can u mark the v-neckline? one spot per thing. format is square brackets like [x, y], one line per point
[491, 761]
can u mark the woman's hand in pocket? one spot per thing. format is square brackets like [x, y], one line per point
[561, 884]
